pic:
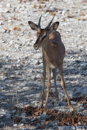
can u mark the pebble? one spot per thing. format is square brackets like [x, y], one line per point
[8, 5]
[53, 123]
[33, 119]
[23, 120]
[3, 112]
[43, 116]
[2, 116]
[21, 124]
[8, 115]
[1, 123]
[23, 115]
[14, 125]
[39, 76]
[13, 112]
[73, 128]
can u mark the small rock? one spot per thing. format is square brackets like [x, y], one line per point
[35, 103]
[8, 5]
[63, 128]
[2, 116]
[43, 116]
[3, 97]
[37, 56]
[33, 77]
[38, 76]
[38, 124]
[80, 128]
[63, 104]
[23, 115]
[21, 124]
[72, 127]
[1, 23]
[85, 17]
[3, 112]
[23, 120]
[53, 123]
[8, 115]
[59, 12]
[15, 125]
[33, 119]
[37, 63]
[84, 90]
[13, 112]
[51, 105]
[1, 123]
[74, 103]
[8, 11]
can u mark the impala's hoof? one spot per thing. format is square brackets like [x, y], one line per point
[71, 109]
[44, 112]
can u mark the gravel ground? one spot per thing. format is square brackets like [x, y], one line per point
[21, 66]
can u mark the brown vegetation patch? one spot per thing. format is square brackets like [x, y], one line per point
[68, 119]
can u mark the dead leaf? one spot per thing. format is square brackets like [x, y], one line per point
[17, 28]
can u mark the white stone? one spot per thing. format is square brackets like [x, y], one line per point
[39, 76]
[72, 127]
[15, 125]
[3, 112]
[37, 55]
[8, 5]
[21, 124]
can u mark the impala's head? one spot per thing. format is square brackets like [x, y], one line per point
[42, 33]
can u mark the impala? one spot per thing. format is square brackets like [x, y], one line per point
[53, 54]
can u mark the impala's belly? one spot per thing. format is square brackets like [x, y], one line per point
[54, 51]
[53, 62]
[51, 65]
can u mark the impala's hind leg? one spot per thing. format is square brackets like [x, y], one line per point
[63, 86]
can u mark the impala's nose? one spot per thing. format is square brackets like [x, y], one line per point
[35, 46]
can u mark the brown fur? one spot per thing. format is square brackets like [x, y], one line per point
[55, 54]
[53, 51]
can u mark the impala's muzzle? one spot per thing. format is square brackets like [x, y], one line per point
[36, 45]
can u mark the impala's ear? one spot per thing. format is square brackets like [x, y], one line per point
[33, 25]
[55, 26]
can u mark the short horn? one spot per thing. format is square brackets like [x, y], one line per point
[49, 23]
[39, 22]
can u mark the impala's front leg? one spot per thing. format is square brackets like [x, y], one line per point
[63, 85]
[44, 77]
[54, 76]
[48, 86]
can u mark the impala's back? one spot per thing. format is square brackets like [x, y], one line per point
[56, 51]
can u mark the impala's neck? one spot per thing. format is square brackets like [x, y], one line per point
[47, 46]
[45, 42]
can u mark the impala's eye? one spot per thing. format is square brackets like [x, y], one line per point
[43, 36]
